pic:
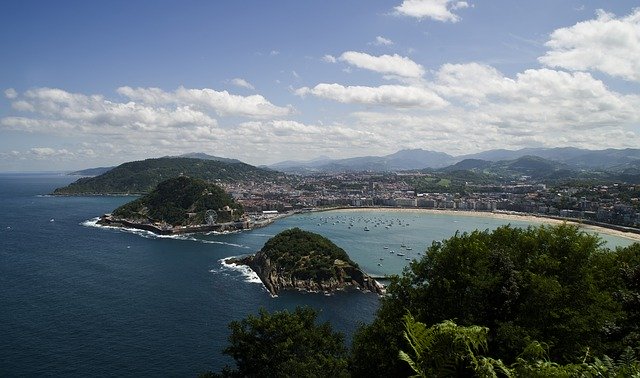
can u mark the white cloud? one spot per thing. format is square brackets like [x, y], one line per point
[385, 95]
[242, 83]
[221, 102]
[382, 41]
[439, 10]
[385, 64]
[274, 52]
[329, 58]
[10, 93]
[607, 44]
[48, 152]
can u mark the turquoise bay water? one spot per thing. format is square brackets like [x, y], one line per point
[78, 300]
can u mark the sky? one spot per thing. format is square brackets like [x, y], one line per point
[99, 83]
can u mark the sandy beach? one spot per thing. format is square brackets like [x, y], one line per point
[505, 216]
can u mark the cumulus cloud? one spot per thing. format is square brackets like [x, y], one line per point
[384, 64]
[329, 58]
[439, 10]
[386, 95]
[48, 152]
[10, 93]
[607, 44]
[242, 83]
[382, 41]
[221, 102]
[537, 99]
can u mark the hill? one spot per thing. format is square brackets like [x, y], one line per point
[181, 201]
[139, 177]
[303, 260]
[90, 172]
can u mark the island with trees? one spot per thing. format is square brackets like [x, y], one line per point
[303, 260]
[180, 205]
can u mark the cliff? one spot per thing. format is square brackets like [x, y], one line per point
[296, 259]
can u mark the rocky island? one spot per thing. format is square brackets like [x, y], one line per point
[302, 260]
[180, 205]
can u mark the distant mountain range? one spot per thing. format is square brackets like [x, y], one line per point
[416, 159]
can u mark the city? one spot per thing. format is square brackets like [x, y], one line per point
[616, 204]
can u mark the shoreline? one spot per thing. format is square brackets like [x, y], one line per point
[533, 218]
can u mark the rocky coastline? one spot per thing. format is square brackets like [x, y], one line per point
[165, 229]
[276, 279]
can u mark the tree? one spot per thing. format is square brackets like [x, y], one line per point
[446, 349]
[285, 344]
[557, 285]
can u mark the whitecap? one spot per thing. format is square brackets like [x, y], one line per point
[93, 222]
[248, 273]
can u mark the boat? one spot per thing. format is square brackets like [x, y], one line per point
[409, 248]
[366, 228]
[385, 247]
[400, 254]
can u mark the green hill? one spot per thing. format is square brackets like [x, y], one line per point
[139, 177]
[181, 201]
[303, 260]
[305, 254]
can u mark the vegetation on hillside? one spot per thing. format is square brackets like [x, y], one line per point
[284, 344]
[305, 255]
[181, 201]
[138, 177]
[554, 285]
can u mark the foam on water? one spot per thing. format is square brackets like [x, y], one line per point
[93, 222]
[248, 273]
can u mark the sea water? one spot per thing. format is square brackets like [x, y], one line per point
[78, 299]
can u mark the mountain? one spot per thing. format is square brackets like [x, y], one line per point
[142, 176]
[533, 166]
[399, 161]
[574, 157]
[90, 172]
[203, 156]
[468, 165]
[181, 201]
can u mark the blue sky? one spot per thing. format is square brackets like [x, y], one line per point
[87, 83]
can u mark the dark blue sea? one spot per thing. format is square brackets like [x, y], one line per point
[78, 300]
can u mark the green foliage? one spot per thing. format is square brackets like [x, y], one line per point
[286, 344]
[446, 349]
[552, 284]
[304, 254]
[140, 177]
[174, 199]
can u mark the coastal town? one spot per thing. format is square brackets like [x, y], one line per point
[616, 205]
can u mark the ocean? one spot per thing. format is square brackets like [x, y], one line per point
[77, 299]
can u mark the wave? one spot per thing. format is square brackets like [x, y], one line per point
[93, 222]
[248, 273]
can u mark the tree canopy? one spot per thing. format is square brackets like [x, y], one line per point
[555, 285]
[285, 344]
[305, 254]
